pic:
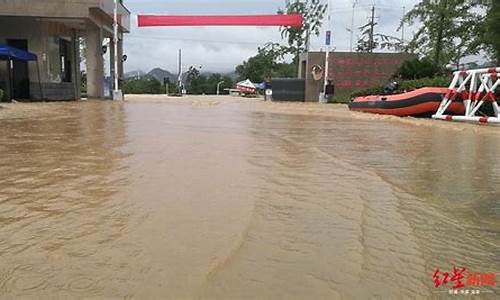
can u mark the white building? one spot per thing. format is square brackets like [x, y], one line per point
[53, 29]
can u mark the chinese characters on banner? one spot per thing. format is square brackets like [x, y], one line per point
[356, 71]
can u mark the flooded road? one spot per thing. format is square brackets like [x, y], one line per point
[226, 199]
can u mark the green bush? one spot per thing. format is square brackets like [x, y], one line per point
[369, 91]
[417, 69]
[1, 94]
[143, 86]
[406, 86]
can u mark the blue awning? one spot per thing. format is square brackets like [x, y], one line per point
[8, 52]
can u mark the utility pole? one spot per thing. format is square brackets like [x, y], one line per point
[372, 27]
[117, 93]
[179, 79]
[352, 23]
[403, 28]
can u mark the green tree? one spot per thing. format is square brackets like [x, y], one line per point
[198, 83]
[143, 86]
[417, 69]
[370, 41]
[380, 41]
[298, 39]
[447, 29]
[265, 65]
[256, 68]
[212, 81]
[194, 81]
[492, 30]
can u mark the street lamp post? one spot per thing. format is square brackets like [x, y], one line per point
[352, 24]
[117, 93]
[218, 87]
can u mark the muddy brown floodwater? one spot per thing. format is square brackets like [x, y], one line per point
[224, 198]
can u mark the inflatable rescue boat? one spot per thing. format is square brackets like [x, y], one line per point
[422, 102]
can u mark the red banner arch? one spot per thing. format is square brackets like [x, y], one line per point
[292, 20]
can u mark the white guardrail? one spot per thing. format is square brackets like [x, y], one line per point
[474, 88]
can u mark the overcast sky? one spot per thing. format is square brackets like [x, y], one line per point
[220, 49]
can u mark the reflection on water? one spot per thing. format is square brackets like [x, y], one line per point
[201, 199]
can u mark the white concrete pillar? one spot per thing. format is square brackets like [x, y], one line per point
[120, 61]
[77, 80]
[112, 63]
[95, 62]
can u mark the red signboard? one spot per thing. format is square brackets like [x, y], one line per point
[357, 71]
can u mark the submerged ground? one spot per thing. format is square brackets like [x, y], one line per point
[227, 198]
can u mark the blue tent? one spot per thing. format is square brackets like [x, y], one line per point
[9, 54]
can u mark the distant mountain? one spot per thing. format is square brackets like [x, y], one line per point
[159, 74]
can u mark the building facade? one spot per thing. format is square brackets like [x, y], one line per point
[55, 31]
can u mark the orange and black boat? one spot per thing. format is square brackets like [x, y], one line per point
[422, 102]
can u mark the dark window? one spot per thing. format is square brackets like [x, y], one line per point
[20, 75]
[65, 60]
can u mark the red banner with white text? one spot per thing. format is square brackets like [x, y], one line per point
[292, 20]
